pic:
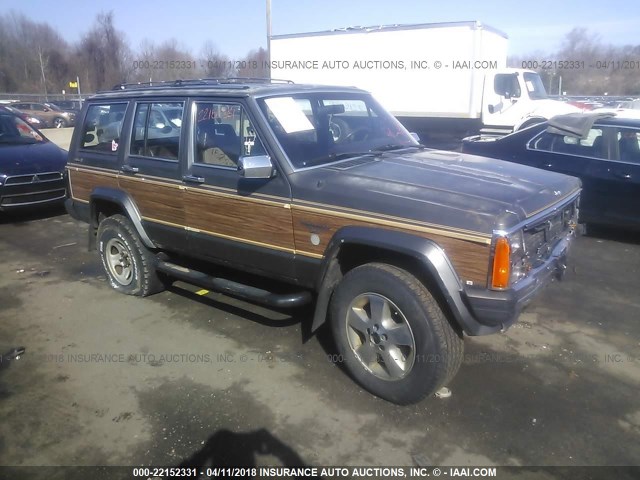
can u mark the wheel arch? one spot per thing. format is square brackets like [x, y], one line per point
[423, 258]
[110, 201]
[529, 122]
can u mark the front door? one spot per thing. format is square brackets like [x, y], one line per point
[232, 219]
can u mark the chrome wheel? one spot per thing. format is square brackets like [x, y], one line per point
[380, 336]
[119, 262]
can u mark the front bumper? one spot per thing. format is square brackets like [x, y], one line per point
[498, 310]
[32, 194]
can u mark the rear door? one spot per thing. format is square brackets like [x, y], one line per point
[151, 172]
[231, 219]
[576, 157]
[619, 177]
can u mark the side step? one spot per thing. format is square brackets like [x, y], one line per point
[234, 289]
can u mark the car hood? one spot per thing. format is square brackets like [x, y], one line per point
[441, 188]
[33, 158]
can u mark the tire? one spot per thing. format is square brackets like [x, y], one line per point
[128, 264]
[406, 348]
[59, 122]
[339, 129]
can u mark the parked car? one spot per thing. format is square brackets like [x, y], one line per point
[54, 116]
[401, 248]
[33, 120]
[605, 156]
[69, 105]
[31, 167]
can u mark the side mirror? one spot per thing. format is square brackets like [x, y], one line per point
[258, 166]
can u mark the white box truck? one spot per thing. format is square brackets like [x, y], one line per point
[437, 76]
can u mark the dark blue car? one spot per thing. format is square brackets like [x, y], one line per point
[31, 167]
[605, 156]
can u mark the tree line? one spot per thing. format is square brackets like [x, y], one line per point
[584, 65]
[35, 58]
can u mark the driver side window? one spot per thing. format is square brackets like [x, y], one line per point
[223, 134]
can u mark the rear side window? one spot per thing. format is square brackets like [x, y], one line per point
[628, 145]
[102, 127]
[592, 146]
[157, 130]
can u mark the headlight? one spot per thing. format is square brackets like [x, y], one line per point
[33, 120]
[510, 262]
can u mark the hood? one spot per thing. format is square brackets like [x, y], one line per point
[550, 108]
[33, 158]
[448, 189]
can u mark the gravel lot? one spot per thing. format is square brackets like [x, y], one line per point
[181, 378]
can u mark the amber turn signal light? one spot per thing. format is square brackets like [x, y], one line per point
[501, 264]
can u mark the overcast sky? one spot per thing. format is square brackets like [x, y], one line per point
[237, 26]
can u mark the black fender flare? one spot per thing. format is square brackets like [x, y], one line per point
[424, 251]
[125, 203]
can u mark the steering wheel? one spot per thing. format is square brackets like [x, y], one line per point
[358, 135]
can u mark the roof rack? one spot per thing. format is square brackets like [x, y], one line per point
[235, 81]
[253, 80]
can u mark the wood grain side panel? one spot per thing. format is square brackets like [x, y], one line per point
[155, 200]
[268, 224]
[83, 183]
[471, 260]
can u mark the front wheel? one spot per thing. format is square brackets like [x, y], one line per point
[392, 335]
[129, 265]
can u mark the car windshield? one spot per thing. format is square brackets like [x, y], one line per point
[53, 107]
[534, 85]
[320, 128]
[14, 130]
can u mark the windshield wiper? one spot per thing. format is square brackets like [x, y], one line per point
[395, 146]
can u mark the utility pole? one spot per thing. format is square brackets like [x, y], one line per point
[269, 35]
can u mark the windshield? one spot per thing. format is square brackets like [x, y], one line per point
[534, 85]
[14, 130]
[53, 107]
[320, 128]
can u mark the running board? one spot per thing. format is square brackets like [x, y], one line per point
[234, 289]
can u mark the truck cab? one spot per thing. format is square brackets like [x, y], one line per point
[514, 99]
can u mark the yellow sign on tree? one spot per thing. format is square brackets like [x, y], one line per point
[73, 84]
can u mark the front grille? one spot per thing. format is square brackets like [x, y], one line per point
[25, 199]
[540, 238]
[33, 178]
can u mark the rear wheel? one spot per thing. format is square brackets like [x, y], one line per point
[59, 122]
[129, 265]
[392, 335]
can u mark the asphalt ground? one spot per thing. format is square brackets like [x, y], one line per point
[186, 377]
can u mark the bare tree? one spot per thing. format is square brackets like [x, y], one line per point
[215, 64]
[102, 53]
[255, 64]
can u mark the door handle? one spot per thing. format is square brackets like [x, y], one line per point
[193, 179]
[547, 165]
[623, 175]
[129, 169]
